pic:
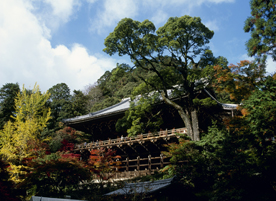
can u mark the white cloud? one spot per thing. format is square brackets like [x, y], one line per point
[212, 25]
[189, 3]
[160, 17]
[271, 65]
[222, 1]
[62, 9]
[113, 12]
[246, 57]
[91, 1]
[27, 56]
[54, 13]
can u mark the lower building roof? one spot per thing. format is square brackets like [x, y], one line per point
[39, 198]
[142, 187]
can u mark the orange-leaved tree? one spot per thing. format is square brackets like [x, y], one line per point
[239, 81]
[103, 163]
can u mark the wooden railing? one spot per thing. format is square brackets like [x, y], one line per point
[166, 135]
[143, 163]
[131, 168]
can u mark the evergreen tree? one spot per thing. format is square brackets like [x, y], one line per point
[8, 92]
[262, 26]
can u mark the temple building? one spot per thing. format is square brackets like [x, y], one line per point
[142, 154]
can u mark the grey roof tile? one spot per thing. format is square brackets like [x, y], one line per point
[142, 187]
[117, 108]
[124, 105]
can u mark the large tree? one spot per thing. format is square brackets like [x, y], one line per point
[177, 56]
[262, 25]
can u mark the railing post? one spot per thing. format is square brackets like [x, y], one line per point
[116, 164]
[127, 163]
[149, 164]
[161, 161]
[138, 163]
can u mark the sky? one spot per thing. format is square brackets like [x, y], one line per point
[61, 41]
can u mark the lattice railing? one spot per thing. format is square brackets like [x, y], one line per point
[165, 134]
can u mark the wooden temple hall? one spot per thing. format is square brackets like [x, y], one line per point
[140, 155]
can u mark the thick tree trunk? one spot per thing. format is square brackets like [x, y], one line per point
[185, 117]
[195, 125]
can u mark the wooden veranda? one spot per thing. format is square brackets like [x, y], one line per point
[134, 161]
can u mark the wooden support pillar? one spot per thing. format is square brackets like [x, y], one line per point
[127, 164]
[117, 159]
[149, 164]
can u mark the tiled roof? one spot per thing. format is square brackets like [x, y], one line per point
[114, 109]
[38, 198]
[141, 187]
[123, 106]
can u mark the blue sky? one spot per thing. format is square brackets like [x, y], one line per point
[54, 41]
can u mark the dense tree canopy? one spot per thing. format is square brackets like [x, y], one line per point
[59, 103]
[113, 86]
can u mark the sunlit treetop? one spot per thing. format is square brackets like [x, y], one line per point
[262, 26]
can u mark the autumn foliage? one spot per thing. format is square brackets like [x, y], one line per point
[102, 161]
[240, 80]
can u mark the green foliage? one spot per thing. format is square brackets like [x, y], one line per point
[206, 102]
[60, 104]
[78, 102]
[64, 105]
[262, 26]
[259, 114]
[107, 102]
[141, 116]
[113, 86]
[94, 95]
[8, 92]
[198, 168]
